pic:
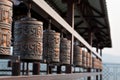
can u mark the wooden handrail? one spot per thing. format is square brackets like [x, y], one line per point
[73, 76]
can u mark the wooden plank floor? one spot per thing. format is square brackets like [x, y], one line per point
[72, 76]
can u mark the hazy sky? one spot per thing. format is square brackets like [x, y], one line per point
[113, 7]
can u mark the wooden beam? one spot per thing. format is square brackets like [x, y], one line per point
[14, 58]
[73, 76]
[90, 16]
[94, 16]
[90, 41]
[70, 20]
[56, 7]
[79, 23]
[99, 22]
[93, 8]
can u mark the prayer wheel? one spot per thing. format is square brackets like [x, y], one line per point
[5, 26]
[65, 46]
[51, 46]
[90, 60]
[96, 63]
[93, 62]
[87, 59]
[84, 58]
[101, 65]
[28, 33]
[77, 56]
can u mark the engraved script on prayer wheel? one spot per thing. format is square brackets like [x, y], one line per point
[77, 56]
[28, 34]
[5, 26]
[51, 45]
[65, 46]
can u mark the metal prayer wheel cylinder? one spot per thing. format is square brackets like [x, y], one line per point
[77, 56]
[84, 58]
[101, 65]
[65, 46]
[98, 64]
[5, 26]
[87, 59]
[51, 46]
[90, 60]
[93, 62]
[28, 33]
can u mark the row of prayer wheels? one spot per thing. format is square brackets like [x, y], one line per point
[55, 49]
[85, 59]
[32, 43]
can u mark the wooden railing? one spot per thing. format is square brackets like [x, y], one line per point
[73, 76]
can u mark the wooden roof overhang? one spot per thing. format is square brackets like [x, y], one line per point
[90, 15]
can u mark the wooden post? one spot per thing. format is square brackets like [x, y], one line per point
[23, 68]
[97, 69]
[101, 60]
[70, 20]
[90, 42]
[49, 69]
[27, 69]
[15, 68]
[101, 76]
[101, 52]
[36, 68]
[59, 69]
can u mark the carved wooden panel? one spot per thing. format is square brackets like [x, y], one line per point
[5, 26]
[51, 45]
[65, 46]
[28, 35]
